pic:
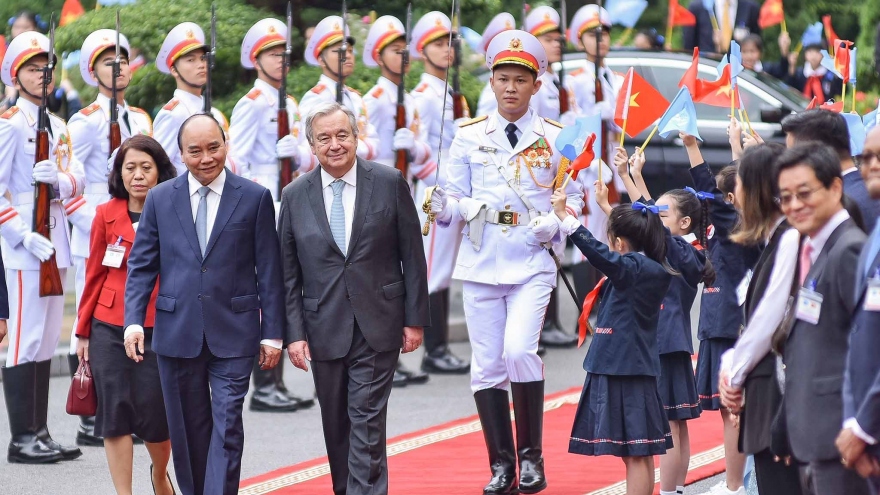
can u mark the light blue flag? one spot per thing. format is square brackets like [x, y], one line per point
[857, 133]
[472, 38]
[852, 65]
[736, 67]
[709, 5]
[828, 63]
[680, 116]
[870, 120]
[70, 60]
[626, 13]
[813, 35]
[571, 138]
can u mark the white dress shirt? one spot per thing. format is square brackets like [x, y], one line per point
[521, 123]
[817, 243]
[348, 196]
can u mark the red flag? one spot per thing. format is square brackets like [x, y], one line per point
[716, 93]
[639, 104]
[2, 46]
[830, 35]
[584, 159]
[680, 16]
[689, 79]
[813, 103]
[841, 58]
[771, 14]
[832, 107]
[71, 10]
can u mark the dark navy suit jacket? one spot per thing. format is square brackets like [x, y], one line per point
[701, 34]
[231, 298]
[854, 187]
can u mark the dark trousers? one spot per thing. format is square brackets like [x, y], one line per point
[775, 477]
[831, 478]
[203, 402]
[353, 393]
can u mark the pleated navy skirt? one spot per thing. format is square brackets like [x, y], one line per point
[708, 364]
[620, 416]
[678, 388]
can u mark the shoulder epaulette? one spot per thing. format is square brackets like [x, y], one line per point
[171, 104]
[353, 90]
[138, 110]
[318, 89]
[9, 113]
[254, 93]
[421, 87]
[473, 121]
[94, 107]
[376, 92]
[553, 123]
[292, 98]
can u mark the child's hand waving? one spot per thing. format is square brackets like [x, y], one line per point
[558, 200]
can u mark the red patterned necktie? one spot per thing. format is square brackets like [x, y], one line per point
[813, 87]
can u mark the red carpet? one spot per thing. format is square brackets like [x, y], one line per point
[420, 462]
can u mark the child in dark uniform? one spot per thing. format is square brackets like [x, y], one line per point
[620, 412]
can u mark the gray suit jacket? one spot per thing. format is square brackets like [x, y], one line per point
[381, 283]
[815, 355]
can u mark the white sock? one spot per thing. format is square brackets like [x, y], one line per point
[663, 492]
[679, 489]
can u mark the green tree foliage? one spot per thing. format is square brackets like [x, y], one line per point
[868, 71]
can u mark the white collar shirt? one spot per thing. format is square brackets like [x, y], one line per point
[213, 198]
[349, 192]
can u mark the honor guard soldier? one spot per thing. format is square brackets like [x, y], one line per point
[90, 137]
[500, 23]
[254, 123]
[183, 55]
[430, 43]
[34, 322]
[324, 50]
[254, 130]
[502, 169]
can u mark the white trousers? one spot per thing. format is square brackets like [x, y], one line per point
[34, 321]
[504, 325]
[79, 280]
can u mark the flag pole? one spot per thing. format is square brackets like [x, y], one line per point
[784, 29]
[854, 99]
[624, 37]
[648, 139]
[623, 132]
[843, 96]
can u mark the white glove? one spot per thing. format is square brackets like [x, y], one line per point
[438, 201]
[111, 160]
[46, 172]
[286, 147]
[544, 228]
[606, 111]
[568, 118]
[404, 139]
[38, 246]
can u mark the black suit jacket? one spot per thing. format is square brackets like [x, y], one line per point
[700, 34]
[381, 284]
[815, 355]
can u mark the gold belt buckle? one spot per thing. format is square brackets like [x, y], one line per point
[508, 218]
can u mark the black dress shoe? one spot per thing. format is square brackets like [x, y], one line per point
[412, 377]
[301, 402]
[553, 336]
[541, 349]
[274, 401]
[67, 453]
[399, 379]
[442, 361]
[85, 433]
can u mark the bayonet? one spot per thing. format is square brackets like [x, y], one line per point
[402, 159]
[115, 133]
[342, 52]
[211, 57]
[286, 174]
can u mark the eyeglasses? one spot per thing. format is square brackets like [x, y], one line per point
[802, 196]
[867, 158]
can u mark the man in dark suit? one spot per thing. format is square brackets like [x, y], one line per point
[209, 236]
[858, 440]
[741, 17]
[811, 194]
[830, 128]
[357, 292]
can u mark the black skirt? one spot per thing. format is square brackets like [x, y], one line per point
[678, 389]
[708, 365]
[129, 394]
[620, 416]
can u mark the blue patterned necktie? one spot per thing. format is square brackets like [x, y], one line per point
[337, 215]
[873, 246]
[202, 218]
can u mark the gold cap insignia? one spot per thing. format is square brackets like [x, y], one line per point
[515, 45]
[190, 34]
[35, 43]
[271, 29]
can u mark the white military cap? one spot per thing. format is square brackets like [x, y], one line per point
[587, 17]
[431, 26]
[328, 32]
[518, 48]
[93, 46]
[542, 20]
[22, 48]
[184, 38]
[500, 23]
[385, 30]
[262, 35]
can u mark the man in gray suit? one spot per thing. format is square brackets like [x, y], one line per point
[356, 292]
[810, 194]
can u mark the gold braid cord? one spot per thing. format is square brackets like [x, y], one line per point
[426, 207]
[560, 174]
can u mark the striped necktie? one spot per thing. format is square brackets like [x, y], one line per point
[337, 215]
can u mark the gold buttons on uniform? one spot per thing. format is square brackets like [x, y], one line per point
[506, 207]
[504, 229]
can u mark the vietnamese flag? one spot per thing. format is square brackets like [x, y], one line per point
[830, 35]
[717, 93]
[689, 79]
[2, 46]
[842, 58]
[584, 159]
[813, 103]
[771, 14]
[832, 107]
[640, 105]
[71, 10]
[680, 16]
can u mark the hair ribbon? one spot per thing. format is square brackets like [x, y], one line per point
[655, 209]
[701, 195]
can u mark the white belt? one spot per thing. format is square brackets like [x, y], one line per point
[271, 169]
[96, 188]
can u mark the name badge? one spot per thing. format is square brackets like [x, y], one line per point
[809, 305]
[488, 149]
[114, 254]
[872, 295]
[743, 288]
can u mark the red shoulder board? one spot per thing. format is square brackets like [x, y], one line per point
[353, 90]
[138, 110]
[90, 109]
[318, 89]
[9, 113]
[421, 87]
[171, 104]
[377, 92]
[577, 72]
[254, 94]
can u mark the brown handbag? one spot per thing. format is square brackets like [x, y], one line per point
[81, 399]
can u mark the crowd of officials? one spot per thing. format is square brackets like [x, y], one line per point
[782, 245]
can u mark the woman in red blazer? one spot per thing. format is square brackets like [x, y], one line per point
[129, 393]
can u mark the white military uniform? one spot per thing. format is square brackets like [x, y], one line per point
[34, 322]
[381, 103]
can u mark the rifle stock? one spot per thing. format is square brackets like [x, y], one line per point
[50, 277]
[402, 159]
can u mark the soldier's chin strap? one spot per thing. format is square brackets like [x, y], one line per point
[24, 90]
[180, 76]
[432, 64]
[339, 77]
[266, 74]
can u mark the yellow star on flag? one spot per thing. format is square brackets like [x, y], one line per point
[632, 100]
